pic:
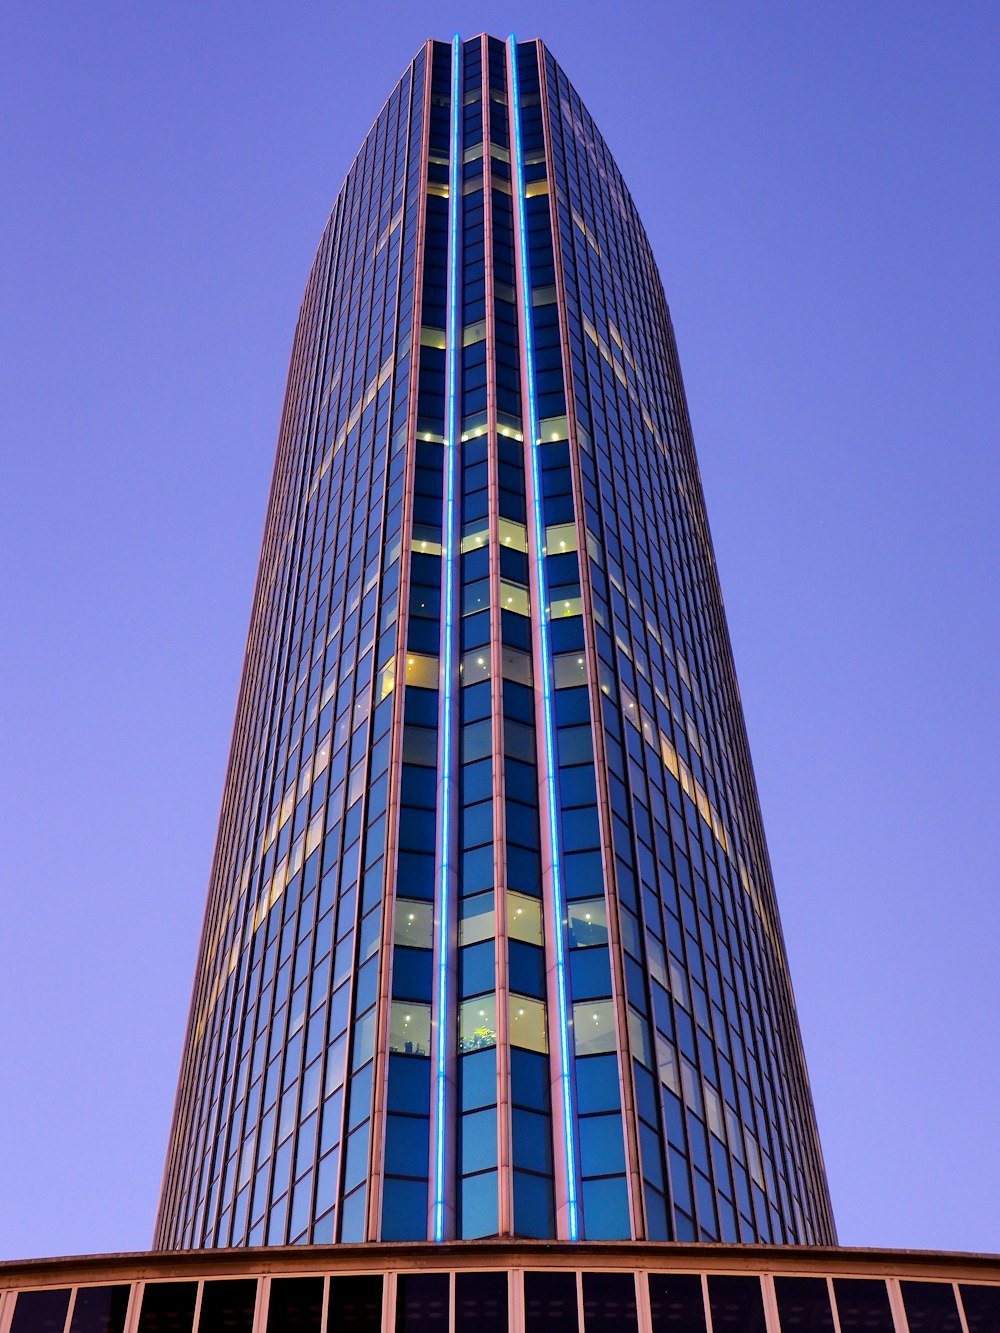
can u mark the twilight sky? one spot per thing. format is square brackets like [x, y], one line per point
[821, 185]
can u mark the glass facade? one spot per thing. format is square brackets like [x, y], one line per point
[491, 945]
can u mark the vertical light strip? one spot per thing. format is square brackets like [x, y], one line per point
[546, 673]
[452, 340]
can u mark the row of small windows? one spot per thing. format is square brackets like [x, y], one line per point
[485, 1302]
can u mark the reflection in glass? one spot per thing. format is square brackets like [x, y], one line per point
[803, 1304]
[356, 1303]
[736, 1304]
[550, 1303]
[675, 1303]
[930, 1307]
[422, 1302]
[481, 1302]
[862, 1304]
[478, 919]
[103, 1309]
[609, 1303]
[40, 1311]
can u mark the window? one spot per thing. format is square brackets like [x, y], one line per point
[594, 1027]
[409, 1028]
[414, 924]
[477, 1023]
[527, 1024]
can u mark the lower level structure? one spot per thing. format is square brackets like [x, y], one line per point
[493, 1287]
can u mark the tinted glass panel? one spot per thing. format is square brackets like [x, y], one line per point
[481, 1302]
[295, 1305]
[167, 1307]
[609, 1303]
[676, 1304]
[227, 1307]
[863, 1305]
[803, 1304]
[40, 1312]
[355, 1303]
[737, 1305]
[422, 1302]
[982, 1308]
[99, 1310]
[550, 1303]
[930, 1307]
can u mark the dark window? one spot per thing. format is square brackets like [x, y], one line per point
[609, 1303]
[675, 1303]
[481, 1302]
[355, 1303]
[803, 1304]
[167, 1307]
[422, 1302]
[99, 1310]
[227, 1307]
[550, 1303]
[736, 1303]
[930, 1307]
[982, 1308]
[40, 1311]
[296, 1305]
[862, 1304]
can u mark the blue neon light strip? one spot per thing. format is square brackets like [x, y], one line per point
[448, 647]
[546, 673]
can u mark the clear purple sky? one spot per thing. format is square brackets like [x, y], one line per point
[820, 184]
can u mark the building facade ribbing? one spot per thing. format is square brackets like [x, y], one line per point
[491, 945]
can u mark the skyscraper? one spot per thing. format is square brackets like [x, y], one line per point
[491, 944]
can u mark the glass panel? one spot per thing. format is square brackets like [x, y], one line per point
[426, 540]
[414, 925]
[736, 1304]
[475, 535]
[930, 1307]
[478, 919]
[524, 918]
[296, 1303]
[982, 1308]
[40, 1311]
[513, 535]
[609, 1303]
[675, 1303]
[588, 923]
[594, 1027]
[863, 1304]
[422, 670]
[227, 1307]
[477, 1023]
[803, 1304]
[481, 1302]
[560, 539]
[409, 1028]
[527, 1024]
[516, 665]
[570, 604]
[422, 1302]
[167, 1307]
[476, 666]
[101, 1309]
[355, 1303]
[514, 597]
[550, 1303]
[569, 669]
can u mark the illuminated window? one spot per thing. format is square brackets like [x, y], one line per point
[588, 923]
[524, 918]
[560, 539]
[569, 669]
[594, 1027]
[513, 535]
[477, 1023]
[527, 1024]
[414, 924]
[476, 666]
[514, 597]
[409, 1028]
[478, 921]
[422, 670]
